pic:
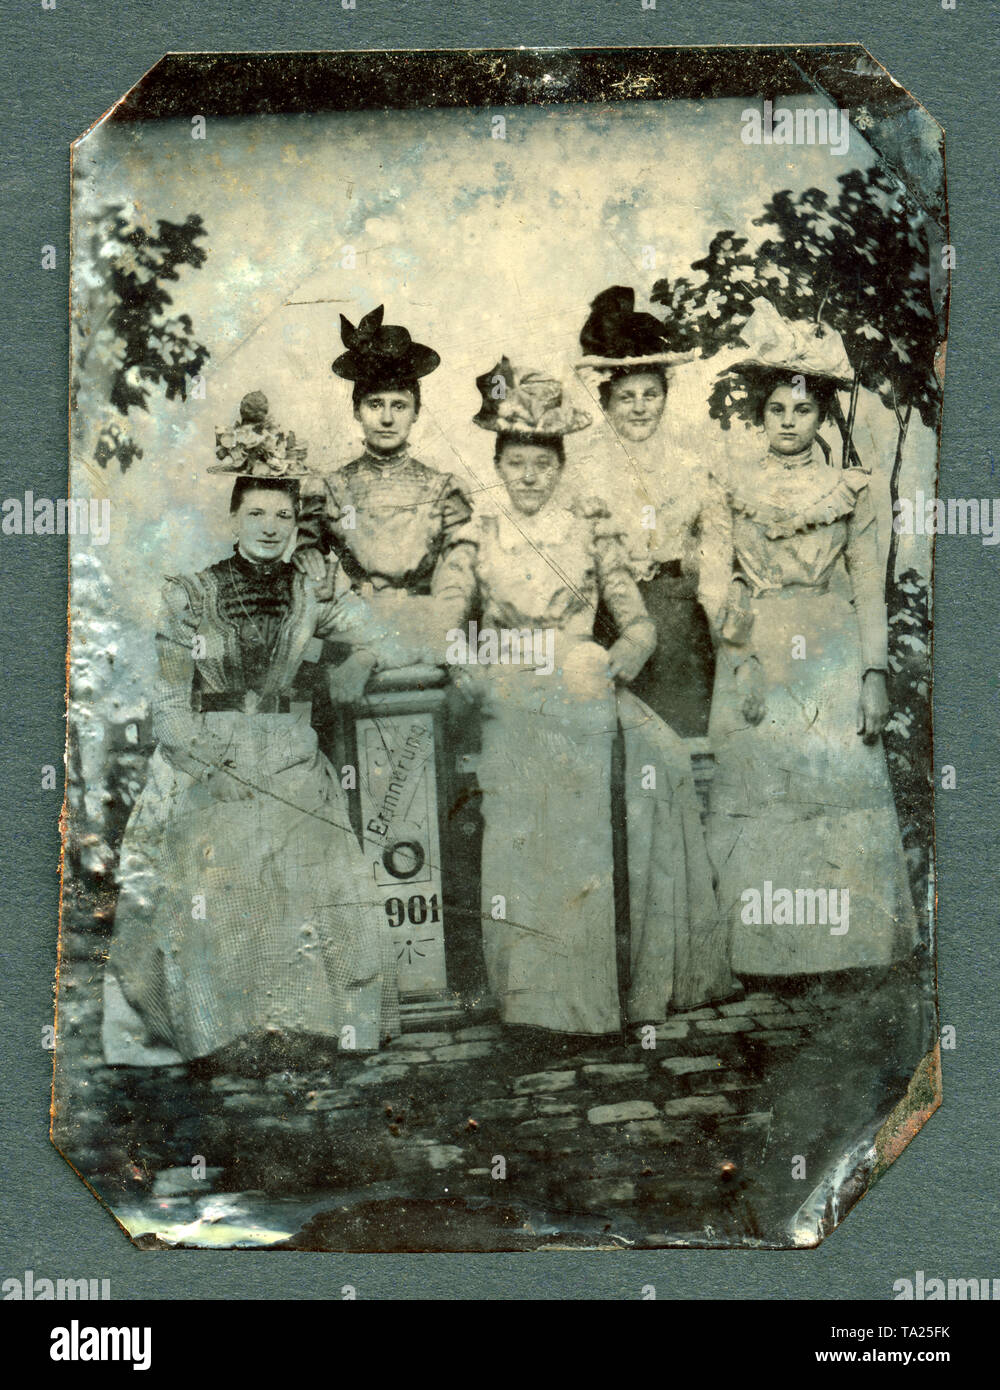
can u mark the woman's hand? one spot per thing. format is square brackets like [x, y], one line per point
[873, 708]
[317, 568]
[346, 682]
[736, 621]
[750, 690]
[310, 563]
[469, 682]
[626, 658]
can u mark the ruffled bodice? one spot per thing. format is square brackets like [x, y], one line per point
[547, 570]
[253, 600]
[790, 524]
[655, 490]
[780, 525]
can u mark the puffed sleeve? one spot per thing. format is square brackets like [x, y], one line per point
[346, 618]
[359, 622]
[455, 583]
[454, 509]
[867, 575]
[318, 507]
[723, 594]
[615, 580]
[455, 587]
[183, 736]
[715, 553]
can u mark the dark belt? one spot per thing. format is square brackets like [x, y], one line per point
[213, 702]
[670, 583]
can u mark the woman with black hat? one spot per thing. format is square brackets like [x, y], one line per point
[246, 914]
[536, 559]
[386, 515]
[656, 489]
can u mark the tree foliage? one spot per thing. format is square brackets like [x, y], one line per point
[858, 264]
[131, 341]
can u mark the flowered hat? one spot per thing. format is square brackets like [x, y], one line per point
[381, 352]
[787, 345]
[616, 335]
[254, 447]
[526, 403]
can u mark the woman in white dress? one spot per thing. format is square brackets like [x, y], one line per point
[654, 488]
[537, 559]
[792, 580]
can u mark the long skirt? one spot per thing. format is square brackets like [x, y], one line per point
[801, 807]
[242, 917]
[676, 681]
[548, 891]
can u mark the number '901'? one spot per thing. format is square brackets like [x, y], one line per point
[416, 910]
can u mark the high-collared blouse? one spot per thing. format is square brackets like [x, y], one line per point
[655, 489]
[237, 630]
[546, 570]
[254, 598]
[781, 523]
[388, 519]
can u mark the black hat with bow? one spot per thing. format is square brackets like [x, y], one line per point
[381, 354]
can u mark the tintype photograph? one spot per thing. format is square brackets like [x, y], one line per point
[499, 781]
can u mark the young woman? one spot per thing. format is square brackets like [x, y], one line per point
[656, 489]
[245, 909]
[386, 515]
[539, 560]
[792, 581]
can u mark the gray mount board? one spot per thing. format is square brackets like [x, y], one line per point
[929, 62]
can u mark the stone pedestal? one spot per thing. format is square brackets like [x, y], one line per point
[417, 822]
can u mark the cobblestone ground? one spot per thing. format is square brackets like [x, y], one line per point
[477, 1138]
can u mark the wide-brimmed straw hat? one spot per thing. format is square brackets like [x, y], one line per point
[791, 346]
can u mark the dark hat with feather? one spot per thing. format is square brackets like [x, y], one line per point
[381, 354]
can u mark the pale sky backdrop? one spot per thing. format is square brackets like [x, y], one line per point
[479, 246]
